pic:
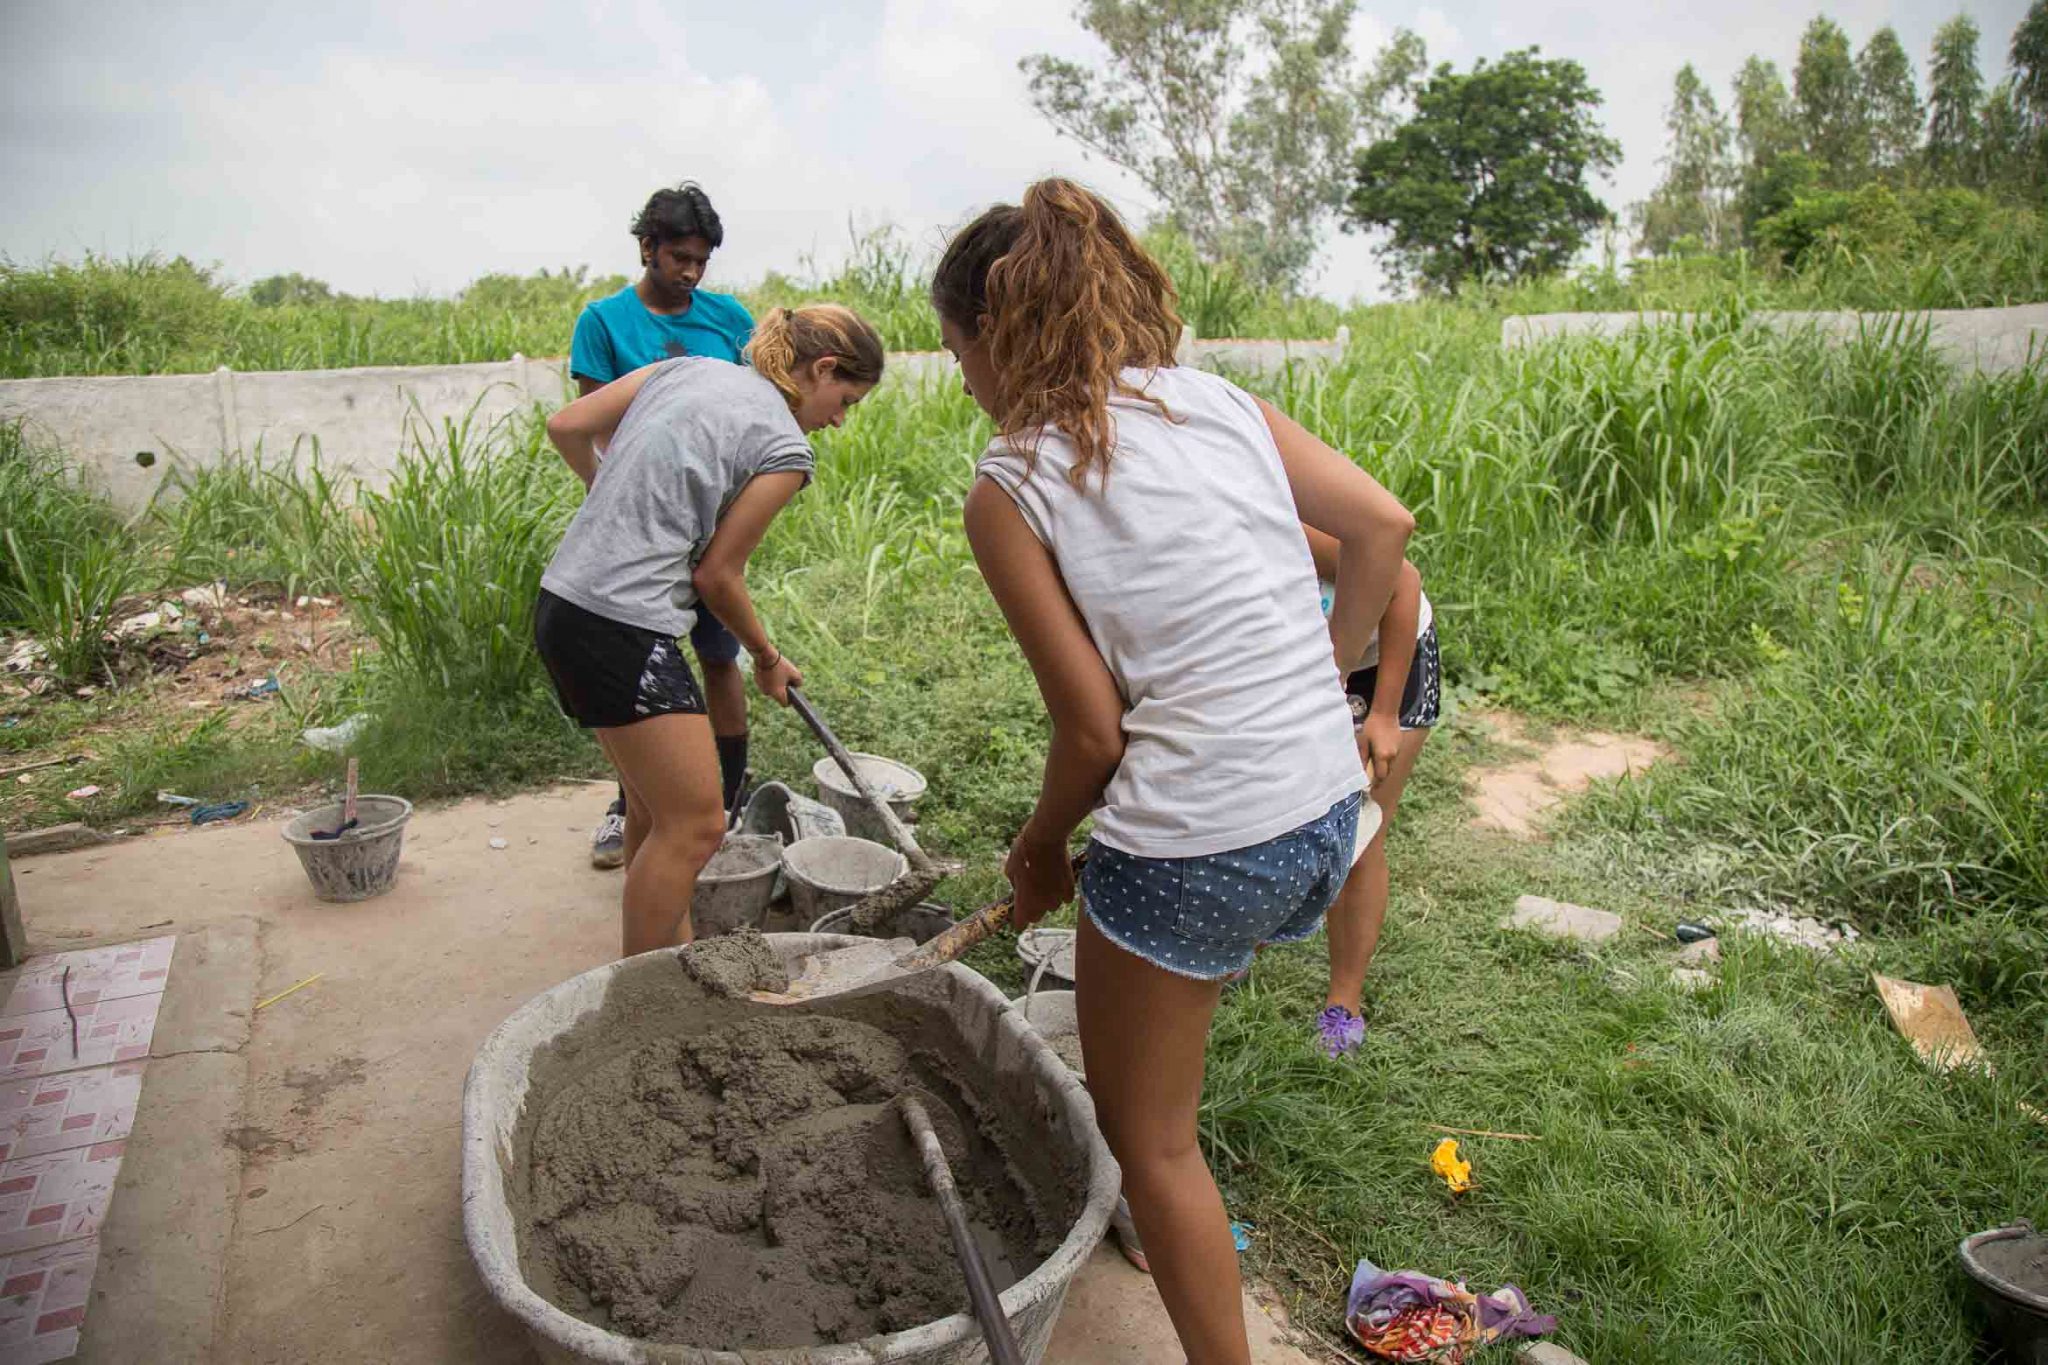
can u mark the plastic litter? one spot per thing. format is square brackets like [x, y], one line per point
[256, 691]
[173, 799]
[334, 739]
[218, 811]
[1688, 932]
[82, 793]
[500, 844]
[1406, 1315]
[1445, 1162]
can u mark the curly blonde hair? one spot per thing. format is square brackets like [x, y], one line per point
[1069, 300]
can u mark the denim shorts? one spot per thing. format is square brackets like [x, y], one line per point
[1206, 917]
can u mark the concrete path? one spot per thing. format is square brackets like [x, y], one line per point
[291, 1189]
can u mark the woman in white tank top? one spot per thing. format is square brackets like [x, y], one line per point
[1139, 524]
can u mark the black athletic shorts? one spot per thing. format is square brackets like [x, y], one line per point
[608, 673]
[1420, 697]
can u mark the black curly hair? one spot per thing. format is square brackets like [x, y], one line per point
[684, 211]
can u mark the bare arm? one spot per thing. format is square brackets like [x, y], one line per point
[1324, 550]
[1081, 696]
[1369, 524]
[721, 575]
[582, 429]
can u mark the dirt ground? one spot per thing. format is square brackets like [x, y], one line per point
[344, 1241]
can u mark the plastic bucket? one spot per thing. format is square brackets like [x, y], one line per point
[735, 887]
[922, 923]
[825, 874]
[2017, 1311]
[775, 809]
[363, 862]
[897, 783]
[1048, 1101]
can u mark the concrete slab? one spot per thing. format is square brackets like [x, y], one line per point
[211, 990]
[1561, 919]
[29, 843]
[158, 1292]
[1113, 1316]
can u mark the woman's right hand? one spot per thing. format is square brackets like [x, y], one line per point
[777, 678]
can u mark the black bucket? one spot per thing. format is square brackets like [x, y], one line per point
[2010, 1267]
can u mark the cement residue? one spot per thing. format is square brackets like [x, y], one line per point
[2021, 1261]
[735, 963]
[695, 1169]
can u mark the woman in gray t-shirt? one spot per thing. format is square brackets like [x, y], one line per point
[699, 456]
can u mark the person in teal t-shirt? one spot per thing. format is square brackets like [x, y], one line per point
[659, 316]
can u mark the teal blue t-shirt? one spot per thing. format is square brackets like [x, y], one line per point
[617, 335]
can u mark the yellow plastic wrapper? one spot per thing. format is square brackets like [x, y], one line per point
[1445, 1162]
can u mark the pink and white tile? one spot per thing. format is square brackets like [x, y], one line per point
[109, 1031]
[96, 974]
[54, 1198]
[42, 1301]
[73, 1109]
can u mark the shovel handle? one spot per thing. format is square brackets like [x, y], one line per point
[976, 928]
[898, 831]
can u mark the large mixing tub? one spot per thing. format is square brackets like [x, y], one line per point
[1030, 1074]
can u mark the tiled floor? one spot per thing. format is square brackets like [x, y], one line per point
[66, 1109]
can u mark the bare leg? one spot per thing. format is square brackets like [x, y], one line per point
[1354, 921]
[1144, 1032]
[725, 696]
[673, 823]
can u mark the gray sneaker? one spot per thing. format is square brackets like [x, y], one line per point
[608, 841]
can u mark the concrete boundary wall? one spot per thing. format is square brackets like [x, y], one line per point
[125, 433]
[1986, 340]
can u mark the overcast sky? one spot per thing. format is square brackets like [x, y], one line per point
[396, 148]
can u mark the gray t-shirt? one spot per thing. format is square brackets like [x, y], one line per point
[697, 431]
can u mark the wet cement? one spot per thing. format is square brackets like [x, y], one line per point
[2021, 1261]
[692, 1168]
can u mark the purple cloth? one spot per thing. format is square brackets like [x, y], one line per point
[1379, 1296]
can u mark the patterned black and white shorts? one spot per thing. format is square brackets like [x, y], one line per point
[608, 673]
[1421, 696]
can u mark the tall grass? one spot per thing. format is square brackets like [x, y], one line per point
[251, 518]
[449, 562]
[66, 560]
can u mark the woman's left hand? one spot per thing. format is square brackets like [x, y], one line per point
[1041, 878]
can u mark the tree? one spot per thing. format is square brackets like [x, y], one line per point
[2002, 140]
[1692, 201]
[296, 289]
[1830, 105]
[2030, 87]
[1387, 94]
[2030, 66]
[1955, 95]
[1765, 134]
[1764, 128]
[1891, 106]
[1488, 179]
[1248, 157]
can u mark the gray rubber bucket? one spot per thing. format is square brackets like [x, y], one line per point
[361, 863]
[735, 887]
[775, 809]
[825, 874]
[897, 783]
[1052, 1015]
[921, 923]
[1037, 1088]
